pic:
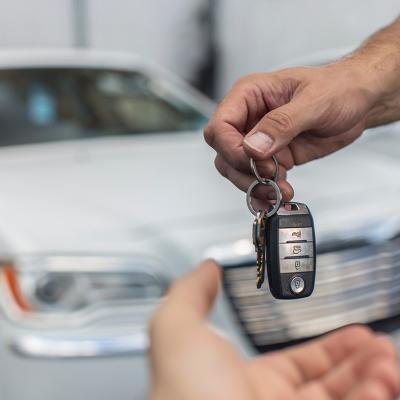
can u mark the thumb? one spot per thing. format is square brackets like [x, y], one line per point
[277, 129]
[185, 309]
[195, 293]
[190, 298]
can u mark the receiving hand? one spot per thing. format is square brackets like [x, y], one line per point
[191, 361]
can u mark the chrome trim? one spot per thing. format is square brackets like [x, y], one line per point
[109, 323]
[354, 286]
[38, 346]
[86, 263]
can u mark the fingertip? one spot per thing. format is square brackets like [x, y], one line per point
[199, 288]
[211, 268]
[286, 189]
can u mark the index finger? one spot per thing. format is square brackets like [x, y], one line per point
[223, 135]
[238, 112]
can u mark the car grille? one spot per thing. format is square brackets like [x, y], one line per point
[360, 285]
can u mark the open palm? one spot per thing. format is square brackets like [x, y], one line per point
[191, 360]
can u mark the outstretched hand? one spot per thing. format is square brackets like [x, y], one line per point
[192, 361]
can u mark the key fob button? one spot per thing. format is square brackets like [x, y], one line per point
[293, 265]
[297, 284]
[295, 234]
[296, 250]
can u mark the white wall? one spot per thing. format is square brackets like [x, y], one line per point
[166, 31]
[257, 35]
[35, 23]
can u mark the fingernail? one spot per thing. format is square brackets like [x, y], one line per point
[259, 141]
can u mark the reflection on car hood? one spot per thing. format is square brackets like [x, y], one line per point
[109, 193]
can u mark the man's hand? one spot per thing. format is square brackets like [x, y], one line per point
[192, 361]
[301, 114]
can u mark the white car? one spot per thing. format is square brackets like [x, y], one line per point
[108, 193]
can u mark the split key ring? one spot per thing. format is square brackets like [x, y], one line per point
[267, 182]
[258, 176]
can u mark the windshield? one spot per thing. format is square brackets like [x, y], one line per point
[42, 105]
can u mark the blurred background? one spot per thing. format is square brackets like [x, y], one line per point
[108, 193]
[208, 43]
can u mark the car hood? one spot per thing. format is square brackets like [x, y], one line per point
[112, 194]
[106, 194]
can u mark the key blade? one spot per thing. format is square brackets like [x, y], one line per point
[260, 268]
[259, 244]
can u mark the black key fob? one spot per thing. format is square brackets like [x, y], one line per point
[290, 252]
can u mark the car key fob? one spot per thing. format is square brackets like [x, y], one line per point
[290, 251]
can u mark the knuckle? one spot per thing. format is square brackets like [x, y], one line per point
[387, 346]
[361, 331]
[355, 333]
[246, 87]
[281, 121]
[209, 134]
[243, 81]
[220, 166]
[251, 77]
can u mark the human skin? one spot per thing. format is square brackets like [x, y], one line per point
[190, 360]
[302, 114]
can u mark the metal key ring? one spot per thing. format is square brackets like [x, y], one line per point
[258, 176]
[267, 182]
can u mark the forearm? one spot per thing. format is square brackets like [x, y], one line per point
[378, 62]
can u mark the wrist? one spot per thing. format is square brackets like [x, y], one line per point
[377, 69]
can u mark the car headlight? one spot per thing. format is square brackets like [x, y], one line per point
[80, 303]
